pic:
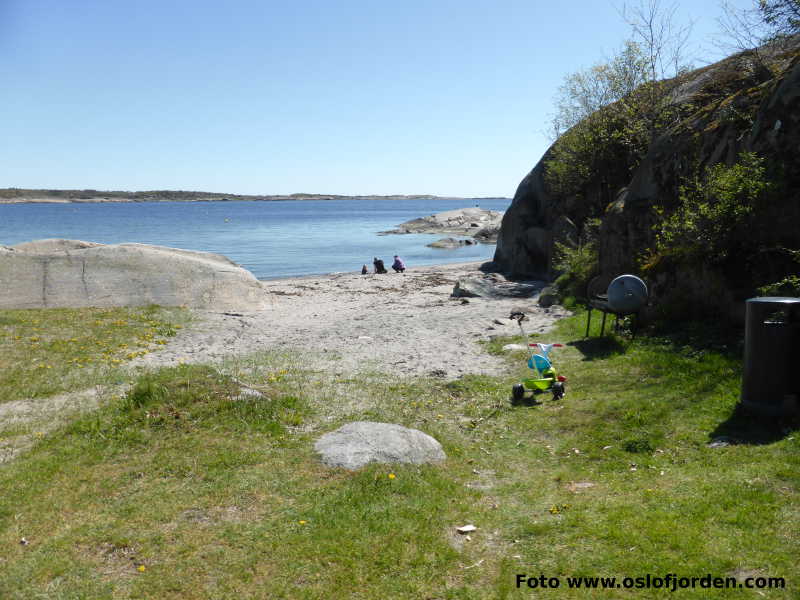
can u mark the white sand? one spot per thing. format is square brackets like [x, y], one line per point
[406, 324]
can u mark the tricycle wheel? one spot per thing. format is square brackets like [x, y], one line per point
[518, 391]
[558, 390]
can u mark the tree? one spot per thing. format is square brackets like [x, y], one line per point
[607, 115]
[782, 17]
[662, 39]
[664, 44]
[655, 53]
[587, 91]
[759, 30]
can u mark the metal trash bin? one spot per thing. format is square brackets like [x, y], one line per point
[771, 377]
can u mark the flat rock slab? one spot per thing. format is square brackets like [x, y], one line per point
[450, 243]
[72, 274]
[356, 444]
[495, 286]
[464, 221]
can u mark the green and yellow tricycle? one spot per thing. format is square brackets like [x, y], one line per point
[548, 379]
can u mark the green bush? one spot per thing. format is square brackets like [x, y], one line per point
[577, 266]
[788, 286]
[714, 212]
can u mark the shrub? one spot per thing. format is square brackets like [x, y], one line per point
[713, 211]
[788, 286]
[577, 264]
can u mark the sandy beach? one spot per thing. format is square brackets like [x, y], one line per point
[403, 323]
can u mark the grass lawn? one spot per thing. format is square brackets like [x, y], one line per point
[43, 352]
[183, 488]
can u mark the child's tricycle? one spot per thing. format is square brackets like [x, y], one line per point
[548, 379]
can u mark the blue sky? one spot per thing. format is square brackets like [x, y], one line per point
[254, 97]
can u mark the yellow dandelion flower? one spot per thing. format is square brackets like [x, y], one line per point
[301, 522]
[141, 568]
[392, 476]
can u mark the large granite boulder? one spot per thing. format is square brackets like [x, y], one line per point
[356, 444]
[721, 110]
[71, 273]
[488, 234]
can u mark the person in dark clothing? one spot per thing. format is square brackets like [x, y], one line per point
[378, 264]
[364, 270]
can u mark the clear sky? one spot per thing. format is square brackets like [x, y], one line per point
[446, 97]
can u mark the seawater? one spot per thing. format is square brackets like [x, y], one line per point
[272, 239]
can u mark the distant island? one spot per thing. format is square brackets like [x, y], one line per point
[21, 196]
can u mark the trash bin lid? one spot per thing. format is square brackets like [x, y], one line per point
[775, 300]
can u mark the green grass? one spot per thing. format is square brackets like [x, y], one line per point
[46, 352]
[183, 488]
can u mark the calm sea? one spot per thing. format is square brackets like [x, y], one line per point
[271, 239]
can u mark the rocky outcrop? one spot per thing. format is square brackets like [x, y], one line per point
[356, 444]
[722, 110]
[71, 273]
[450, 243]
[488, 234]
[473, 221]
[494, 285]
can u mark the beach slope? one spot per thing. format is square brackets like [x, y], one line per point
[405, 324]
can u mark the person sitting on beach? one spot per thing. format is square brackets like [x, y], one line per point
[398, 265]
[364, 269]
[378, 264]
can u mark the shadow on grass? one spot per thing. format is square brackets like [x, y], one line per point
[744, 427]
[526, 401]
[701, 336]
[536, 399]
[598, 347]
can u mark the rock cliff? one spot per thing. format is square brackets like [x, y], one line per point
[736, 105]
[71, 273]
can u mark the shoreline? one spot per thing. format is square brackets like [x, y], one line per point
[407, 324]
[469, 265]
[229, 198]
